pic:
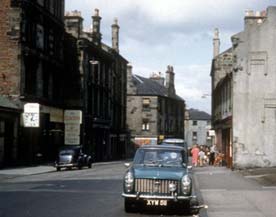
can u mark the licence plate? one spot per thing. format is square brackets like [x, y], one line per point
[156, 202]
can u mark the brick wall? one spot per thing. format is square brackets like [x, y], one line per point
[9, 49]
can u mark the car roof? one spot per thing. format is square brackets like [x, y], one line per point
[174, 140]
[70, 147]
[166, 147]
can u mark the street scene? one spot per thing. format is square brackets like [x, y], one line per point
[137, 108]
[97, 192]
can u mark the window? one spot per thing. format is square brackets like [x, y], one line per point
[39, 36]
[145, 125]
[146, 102]
[194, 135]
[194, 123]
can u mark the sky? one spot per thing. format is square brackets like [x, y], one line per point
[158, 33]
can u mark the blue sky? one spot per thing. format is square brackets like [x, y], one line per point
[157, 33]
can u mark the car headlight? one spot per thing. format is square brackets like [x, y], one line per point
[186, 185]
[129, 181]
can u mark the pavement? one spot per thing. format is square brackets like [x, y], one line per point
[8, 173]
[264, 176]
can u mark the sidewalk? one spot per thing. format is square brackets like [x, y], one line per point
[33, 170]
[239, 193]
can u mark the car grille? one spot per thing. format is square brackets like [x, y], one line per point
[156, 186]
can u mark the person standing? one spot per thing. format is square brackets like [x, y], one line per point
[201, 155]
[194, 152]
[213, 151]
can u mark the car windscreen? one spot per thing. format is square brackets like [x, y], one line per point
[159, 158]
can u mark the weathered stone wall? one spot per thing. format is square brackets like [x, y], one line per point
[254, 93]
[136, 114]
[9, 49]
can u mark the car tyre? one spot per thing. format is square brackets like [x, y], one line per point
[90, 165]
[58, 168]
[129, 206]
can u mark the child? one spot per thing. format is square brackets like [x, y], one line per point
[201, 156]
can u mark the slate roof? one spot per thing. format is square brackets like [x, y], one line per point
[195, 114]
[146, 86]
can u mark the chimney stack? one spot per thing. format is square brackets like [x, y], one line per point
[170, 81]
[130, 86]
[73, 23]
[96, 24]
[216, 43]
[252, 18]
[115, 35]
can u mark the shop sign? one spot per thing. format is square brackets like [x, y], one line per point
[73, 117]
[72, 134]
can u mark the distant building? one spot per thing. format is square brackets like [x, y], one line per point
[154, 111]
[96, 82]
[243, 93]
[197, 126]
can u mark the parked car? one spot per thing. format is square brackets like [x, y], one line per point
[72, 156]
[159, 177]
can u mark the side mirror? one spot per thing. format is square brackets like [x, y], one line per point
[127, 165]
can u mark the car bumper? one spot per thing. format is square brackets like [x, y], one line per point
[66, 165]
[158, 197]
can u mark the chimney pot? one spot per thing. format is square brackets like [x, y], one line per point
[96, 12]
[249, 13]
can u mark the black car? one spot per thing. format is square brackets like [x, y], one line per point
[159, 177]
[72, 156]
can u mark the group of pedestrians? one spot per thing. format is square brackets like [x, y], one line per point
[203, 155]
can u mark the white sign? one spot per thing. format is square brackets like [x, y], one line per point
[72, 134]
[31, 108]
[72, 117]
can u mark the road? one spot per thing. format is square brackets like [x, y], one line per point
[96, 192]
[92, 192]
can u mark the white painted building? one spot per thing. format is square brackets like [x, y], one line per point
[197, 126]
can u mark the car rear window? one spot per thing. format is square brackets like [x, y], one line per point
[66, 152]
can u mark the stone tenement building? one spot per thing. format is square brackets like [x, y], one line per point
[31, 71]
[154, 111]
[65, 76]
[96, 83]
[197, 125]
[244, 93]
